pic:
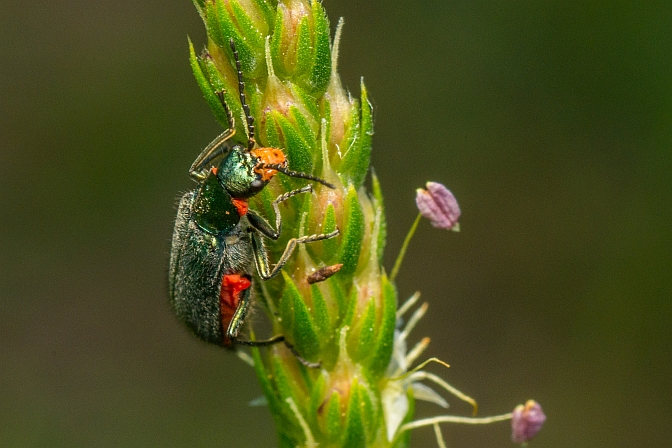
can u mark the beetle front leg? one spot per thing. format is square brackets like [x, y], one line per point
[215, 148]
[199, 170]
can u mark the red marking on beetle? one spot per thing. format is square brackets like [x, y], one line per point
[229, 299]
[271, 156]
[241, 206]
[214, 170]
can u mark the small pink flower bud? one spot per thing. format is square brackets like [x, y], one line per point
[438, 204]
[526, 421]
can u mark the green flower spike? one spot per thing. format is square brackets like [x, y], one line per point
[333, 302]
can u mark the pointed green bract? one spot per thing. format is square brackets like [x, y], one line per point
[304, 329]
[364, 338]
[384, 344]
[353, 233]
[206, 88]
[321, 313]
[379, 204]
[355, 436]
[366, 130]
[315, 406]
[272, 133]
[355, 163]
[299, 154]
[251, 57]
[368, 413]
[350, 313]
[333, 418]
[304, 48]
[321, 71]
[309, 102]
[220, 84]
[329, 247]
[340, 297]
[267, 9]
[276, 46]
[286, 307]
[254, 34]
[303, 128]
[265, 380]
[287, 388]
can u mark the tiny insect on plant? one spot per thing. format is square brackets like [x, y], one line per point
[218, 239]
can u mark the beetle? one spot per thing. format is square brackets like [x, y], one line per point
[217, 240]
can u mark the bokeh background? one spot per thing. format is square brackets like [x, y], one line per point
[550, 121]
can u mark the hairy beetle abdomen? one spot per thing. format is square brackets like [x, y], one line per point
[198, 262]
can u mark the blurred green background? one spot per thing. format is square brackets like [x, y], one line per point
[550, 121]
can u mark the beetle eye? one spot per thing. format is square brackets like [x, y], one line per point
[257, 184]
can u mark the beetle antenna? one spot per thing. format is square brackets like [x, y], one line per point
[290, 173]
[229, 116]
[243, 102]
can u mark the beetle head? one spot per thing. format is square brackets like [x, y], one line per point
[241, 171]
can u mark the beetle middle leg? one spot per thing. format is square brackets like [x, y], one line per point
[263, 226]
[261, 260]
[258, 223]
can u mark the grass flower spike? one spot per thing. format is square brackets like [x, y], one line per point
[345, 377]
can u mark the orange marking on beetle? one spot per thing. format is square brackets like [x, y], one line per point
[241, 206]
[214, 170]
[271, 156]
[229, 299]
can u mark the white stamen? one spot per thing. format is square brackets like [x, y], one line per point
[416, 351]
[415, 317]
[408, 304]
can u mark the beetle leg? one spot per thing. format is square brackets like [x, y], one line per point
[238, 317]
[263, 226]
[275, 340]
[261, 260]
[261, 343]
[199, 169]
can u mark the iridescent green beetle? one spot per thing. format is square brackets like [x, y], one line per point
[217, 240]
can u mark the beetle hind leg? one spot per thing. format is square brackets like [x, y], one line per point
[275, 340]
